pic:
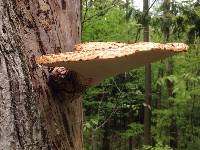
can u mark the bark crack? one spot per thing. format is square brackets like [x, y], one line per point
[67, 129]
[63, 2]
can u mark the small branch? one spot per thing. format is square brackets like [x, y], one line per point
[113, 112]
[152, 4]
[106, 9]
[100, 104]
[108, 118]
[146, 13]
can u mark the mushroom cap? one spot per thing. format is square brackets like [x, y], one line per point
[100, 60]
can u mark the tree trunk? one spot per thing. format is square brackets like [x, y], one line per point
[147, 111]
[35, 113]
[106, 138]
[130, 143]
[170, 84]
[159, 87]
[94, 140]
[173, 126]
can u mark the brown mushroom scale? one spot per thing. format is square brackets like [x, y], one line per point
[100, 60]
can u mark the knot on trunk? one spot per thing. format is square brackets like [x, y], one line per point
[67, 84]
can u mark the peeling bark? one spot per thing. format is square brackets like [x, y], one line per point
[31, 115]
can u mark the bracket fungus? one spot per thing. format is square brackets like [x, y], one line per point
[100, 60]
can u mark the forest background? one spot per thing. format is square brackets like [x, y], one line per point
[114, 110]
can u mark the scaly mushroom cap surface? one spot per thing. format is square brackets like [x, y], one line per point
[100, 60]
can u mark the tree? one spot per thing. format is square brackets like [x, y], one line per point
[169, 71]
[147, 113]
[34, 114]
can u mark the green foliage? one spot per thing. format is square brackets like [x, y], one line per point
[157, 147]
[117, 103]
[112, 25]
[91, 123]
[134, 130]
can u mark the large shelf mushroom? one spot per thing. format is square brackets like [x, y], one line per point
[100, 60]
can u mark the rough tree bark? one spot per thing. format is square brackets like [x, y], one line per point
[35, 111]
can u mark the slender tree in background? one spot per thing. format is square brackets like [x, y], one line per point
[147, 110]
[35, 113]
[106, 138]
[159, 86]
[169, 71]
[166, 13]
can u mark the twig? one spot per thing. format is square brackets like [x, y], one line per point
[106, 9]
[108, 118]
[146, 13]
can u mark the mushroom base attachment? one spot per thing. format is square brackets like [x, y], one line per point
[67, 83]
